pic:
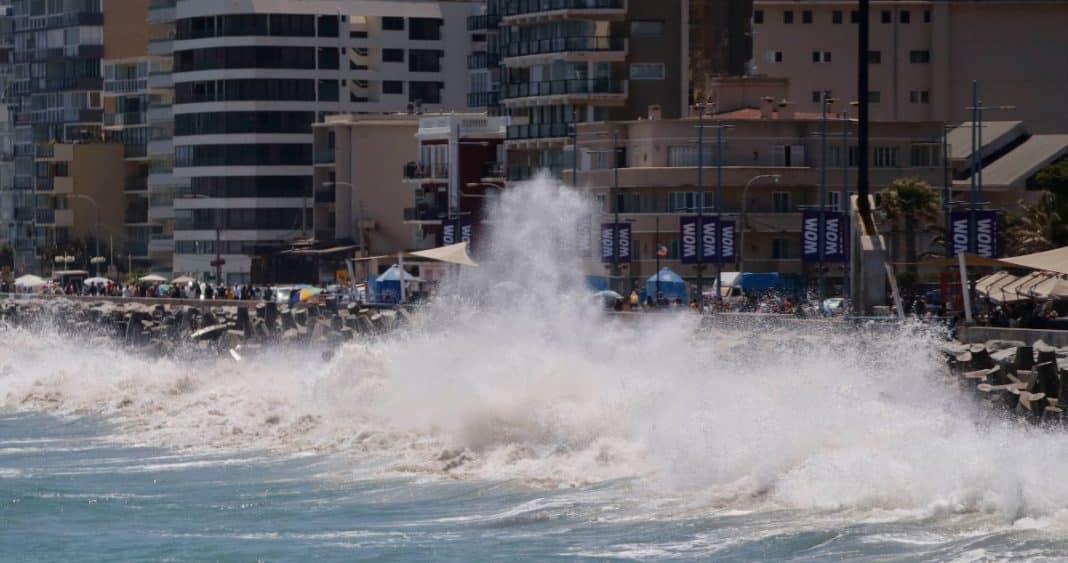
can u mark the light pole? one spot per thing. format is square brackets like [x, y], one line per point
[742, 227]
[824, 103]
[96, 207]
[977, 108]
[701, 191]
[218, 262]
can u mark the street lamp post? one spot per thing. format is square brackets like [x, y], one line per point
[825, 101]
[745, 204]
[718, 194]
[976, 186]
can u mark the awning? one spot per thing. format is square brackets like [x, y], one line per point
[453, 254]
[1051, 260]
[320, 251]
[990, 286]
[1053, 286]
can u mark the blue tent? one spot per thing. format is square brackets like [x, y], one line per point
[672, 285]
[387, 285]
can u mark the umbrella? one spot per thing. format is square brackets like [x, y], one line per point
[182, 279]
[608, 294]
[152, 278]
[394, 274]
[309, 292]
[29, 281]
[98, 280]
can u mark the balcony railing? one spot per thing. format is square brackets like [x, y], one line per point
[482, 99]
[562, 87]
[424, 213]
[537, 131]
[59, 53]
[563, 45]
[519, 7]
[68, 19]
[46, 216]
[324, 156]
[482, 59]
[484, 21]
[416, 171]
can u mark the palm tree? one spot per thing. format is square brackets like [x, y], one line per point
[1036, 228]
[910, 202]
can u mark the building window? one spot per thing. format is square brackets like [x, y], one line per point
[393, 55]
[806, 16]
[777, 56]
[424, 60]
[821, 56]
[927, 16]
[647, 71]
[920, 57]
[926, 155]
[788, 16]
[780, 202]
[818, 95]
[905, 16]
[920, 97]
[780, 248]
[836, 16]
[425, 92]
[884, 157]
[758, 16]
[392, 24]
[886, 16]
[826, 56]
[328, 26]
[425, 29]
[328, 58]
[854, 16]
[875, 97]
[328, 91]
[647, 28]
[392, 87]
[875, 57]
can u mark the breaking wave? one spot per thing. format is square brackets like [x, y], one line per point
[514, 374]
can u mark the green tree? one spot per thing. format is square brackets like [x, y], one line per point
[1054, 179]
[910, 203]
[1036, 228]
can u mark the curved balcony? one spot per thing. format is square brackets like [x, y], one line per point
[563, 88]
[520, 8]
[569, 45]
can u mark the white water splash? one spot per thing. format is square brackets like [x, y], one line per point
[515, 374]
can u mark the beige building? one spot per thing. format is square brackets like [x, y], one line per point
[75, 184]
[924, 56]
[660, 177]
[360, 192]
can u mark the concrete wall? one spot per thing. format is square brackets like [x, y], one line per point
[980, 334]
[1013, 48]
[125, 29]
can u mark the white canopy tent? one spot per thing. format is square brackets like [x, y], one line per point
[29, 281]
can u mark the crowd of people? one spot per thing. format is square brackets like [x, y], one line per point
[191, 290]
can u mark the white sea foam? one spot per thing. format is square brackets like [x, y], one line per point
[514, 374]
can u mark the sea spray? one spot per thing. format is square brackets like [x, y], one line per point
[513, 372]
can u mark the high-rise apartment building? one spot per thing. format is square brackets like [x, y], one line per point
[55, 92]
[251, 76]
[566, 61]
[720, 42]
[923, 57]
[162, 185]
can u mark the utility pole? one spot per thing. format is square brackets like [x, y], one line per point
[824, 101]
[864, 205]
[615, 207]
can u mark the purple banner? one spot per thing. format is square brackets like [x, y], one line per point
[699, 239]
[455, 230]
[986, 229]
[615, 243]
[829, 236]
[835, 237]
[810, 235]
[726, 242]
[688, 239]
